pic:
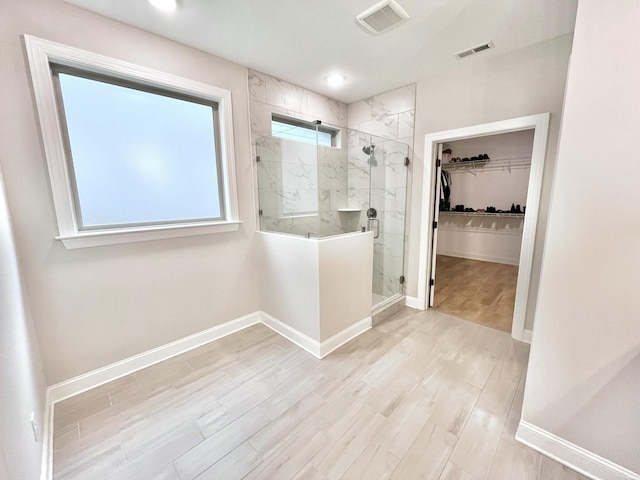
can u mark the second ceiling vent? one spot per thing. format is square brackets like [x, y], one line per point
[382, 16]
[474, 50]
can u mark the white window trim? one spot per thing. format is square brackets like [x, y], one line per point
[41, 53]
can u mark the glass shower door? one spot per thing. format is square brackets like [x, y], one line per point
[386, 217]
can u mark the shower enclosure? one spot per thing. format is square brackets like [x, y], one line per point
[332, 185]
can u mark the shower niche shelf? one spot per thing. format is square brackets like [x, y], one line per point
[350, 210]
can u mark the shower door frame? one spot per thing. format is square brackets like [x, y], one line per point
[381, 224]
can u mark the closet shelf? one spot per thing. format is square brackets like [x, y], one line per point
[491, 164]
[482, 214]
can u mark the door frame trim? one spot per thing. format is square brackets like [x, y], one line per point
[540, 124]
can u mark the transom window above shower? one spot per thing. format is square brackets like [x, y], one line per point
[304, 131]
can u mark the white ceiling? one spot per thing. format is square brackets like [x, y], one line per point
[302, 41]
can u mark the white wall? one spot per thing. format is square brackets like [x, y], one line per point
[3, 470]
[22, 383]
[95, 306]
[480, 238]
[317, 286]
[525, 82]
[291, 281]
[345, 281]
[583, 383]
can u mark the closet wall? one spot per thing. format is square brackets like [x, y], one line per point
[500, 182]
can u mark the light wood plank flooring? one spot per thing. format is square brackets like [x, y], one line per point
[481, 292]
[422, 396]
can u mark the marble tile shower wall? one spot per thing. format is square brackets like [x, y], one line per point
[296, 179]
[301, 188]
[389, 116]
[340, 177]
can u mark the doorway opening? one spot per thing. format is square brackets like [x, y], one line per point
[481, 211]
[431, 208]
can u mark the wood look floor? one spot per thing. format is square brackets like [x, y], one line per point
[422, 396]
[481, 292]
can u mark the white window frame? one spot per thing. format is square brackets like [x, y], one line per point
[41, 55]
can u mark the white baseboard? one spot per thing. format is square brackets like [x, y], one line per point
[100, 376]
[583, 461]
[95, 378]
[315, 348]
[344, 336]
[46, 466]
[479, 256]
[411, 302]
[526, 336]
[300, 339]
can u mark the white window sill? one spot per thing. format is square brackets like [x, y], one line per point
[98, 238]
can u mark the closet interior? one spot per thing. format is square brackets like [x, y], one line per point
[482, 205]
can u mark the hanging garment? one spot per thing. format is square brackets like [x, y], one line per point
[445, 190]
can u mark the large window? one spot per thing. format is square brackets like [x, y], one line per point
[133, 154]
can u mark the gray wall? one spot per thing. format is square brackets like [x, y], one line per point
[525, 82]
[583, 383]
[22, 383]
[96, 306]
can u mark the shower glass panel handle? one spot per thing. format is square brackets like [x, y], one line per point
[370, 224]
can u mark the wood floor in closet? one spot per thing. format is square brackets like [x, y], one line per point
[477, 291]
[420, 396]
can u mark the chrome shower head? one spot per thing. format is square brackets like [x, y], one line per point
[370, 150]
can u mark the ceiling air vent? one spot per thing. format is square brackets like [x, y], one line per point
[473, 50]
[382, 16]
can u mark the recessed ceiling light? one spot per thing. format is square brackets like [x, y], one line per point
[335, 80]
[164, 5]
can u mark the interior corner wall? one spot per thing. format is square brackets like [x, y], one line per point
[95, 306]
[583, 382]
[525, 82]
[22, 382]
[388, 115]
